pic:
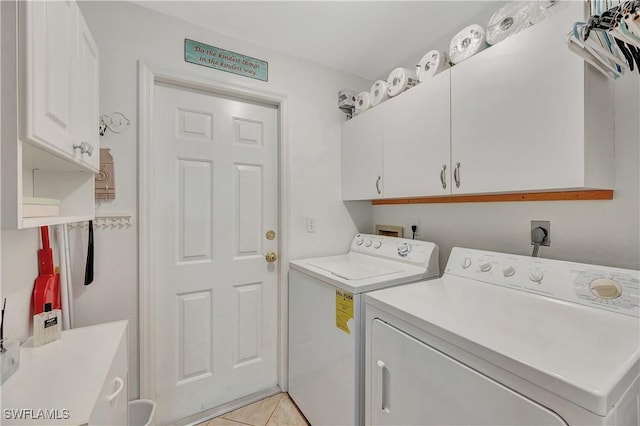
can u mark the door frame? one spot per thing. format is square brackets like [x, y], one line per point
[148, 76]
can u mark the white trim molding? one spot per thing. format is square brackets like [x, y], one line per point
[149, 76]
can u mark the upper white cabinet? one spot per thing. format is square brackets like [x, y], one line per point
[50, 101]
[528, 114]
[416, 140]
[47, 53]
[399, 148]
[87, 108]
[58, 76]
[362, 157]
[524, 115]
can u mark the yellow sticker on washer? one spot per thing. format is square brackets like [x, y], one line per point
[344, 310]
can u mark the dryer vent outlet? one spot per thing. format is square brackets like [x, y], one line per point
[546, 225]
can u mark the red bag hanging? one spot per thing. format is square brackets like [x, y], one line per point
[47, 286]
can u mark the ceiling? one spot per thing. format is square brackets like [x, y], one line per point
[364, 38]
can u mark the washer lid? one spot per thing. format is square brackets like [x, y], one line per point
[358, 273]
[585, 355]
[350, 270]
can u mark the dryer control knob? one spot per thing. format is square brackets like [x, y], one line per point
[485, 267]
[378, 244]
[605, 288]
[535, 275]
[509, 271]
[368, 243]
[359, 241]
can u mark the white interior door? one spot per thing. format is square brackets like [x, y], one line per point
[214, 197]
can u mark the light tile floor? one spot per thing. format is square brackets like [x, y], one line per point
[277, 410]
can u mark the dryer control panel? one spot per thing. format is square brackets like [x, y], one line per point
[612, 289]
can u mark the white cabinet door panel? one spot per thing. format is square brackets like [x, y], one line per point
[414, 384]
[47, 45]
[518, 116]
[362, 156]
[87, 94]
[417, 140]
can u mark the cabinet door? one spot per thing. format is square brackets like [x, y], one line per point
[517, 112]
[87, 95]
[111, 408]
[47, 41]
[417, 140]
[415, 384]
[362, 156]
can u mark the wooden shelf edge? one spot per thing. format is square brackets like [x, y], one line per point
[601, 194]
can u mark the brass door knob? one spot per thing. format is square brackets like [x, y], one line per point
[271, 257]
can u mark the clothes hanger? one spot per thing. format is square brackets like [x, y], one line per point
[595, 53]
[578, 47]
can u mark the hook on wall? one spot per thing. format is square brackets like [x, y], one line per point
[117, 122]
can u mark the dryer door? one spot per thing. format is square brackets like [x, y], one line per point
[414, 384]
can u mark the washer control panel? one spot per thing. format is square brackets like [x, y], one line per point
[402, 249]
[612, 289]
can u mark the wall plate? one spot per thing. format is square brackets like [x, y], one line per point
[546, 225]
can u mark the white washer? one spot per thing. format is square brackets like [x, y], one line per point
[506, 339]
[326, 322]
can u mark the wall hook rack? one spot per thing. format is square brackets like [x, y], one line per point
[107, 221]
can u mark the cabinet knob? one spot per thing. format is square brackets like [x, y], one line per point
[84, 147]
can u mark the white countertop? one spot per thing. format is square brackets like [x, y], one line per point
[67, 374]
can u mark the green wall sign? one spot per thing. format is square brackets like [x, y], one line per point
[225, 60]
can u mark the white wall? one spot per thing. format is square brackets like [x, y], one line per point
[127, 33]
[19, 271]
[598, 232]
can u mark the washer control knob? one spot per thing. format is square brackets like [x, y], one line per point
[509, 271]
[368, 243]
[605, 288]
[466, 262]
[485, 267]
[535, 275]
[359, 241]
[403, 250]
[377, 244]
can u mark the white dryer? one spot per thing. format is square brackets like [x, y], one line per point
[326, 320]
[506, 339]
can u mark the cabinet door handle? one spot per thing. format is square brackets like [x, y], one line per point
[443, 178]
[456, 175]
[378, 184]
[114, 395]
[383, 385]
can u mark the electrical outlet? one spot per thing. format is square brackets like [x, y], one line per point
[546, 225]
[415, 222]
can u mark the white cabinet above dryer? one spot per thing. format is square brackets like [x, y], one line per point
[529, 115]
